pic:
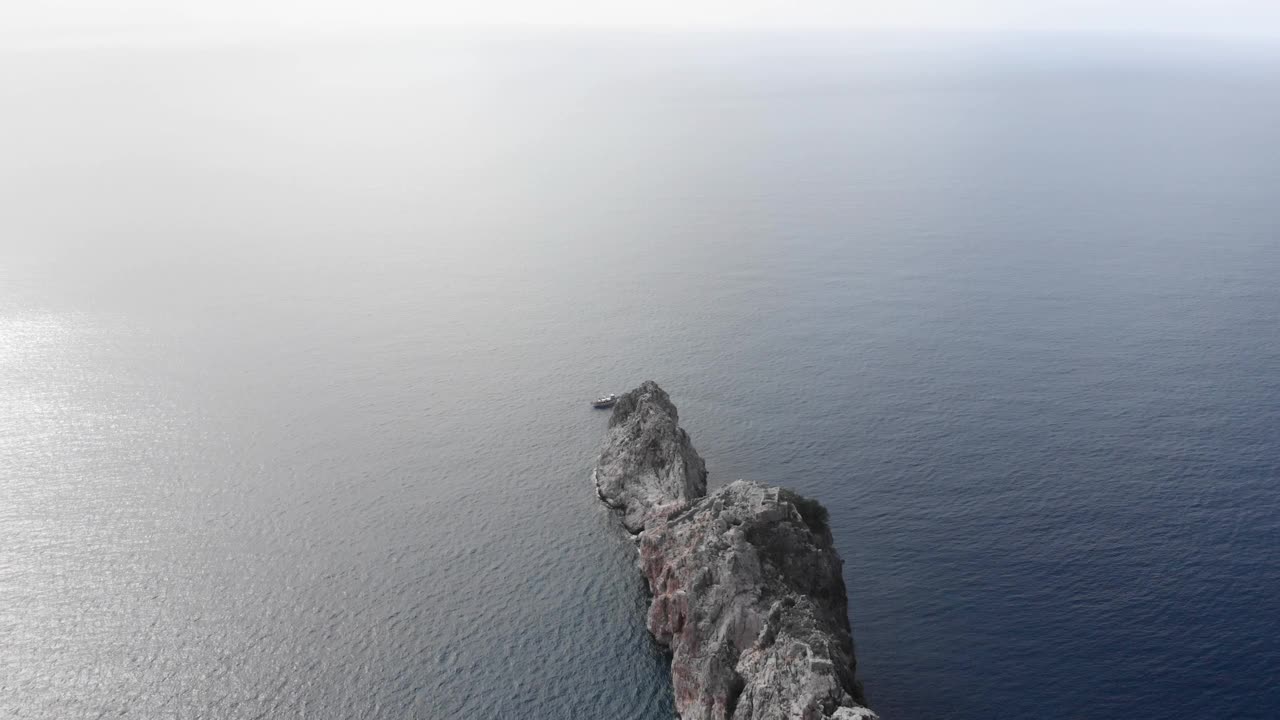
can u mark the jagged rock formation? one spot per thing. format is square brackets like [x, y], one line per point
[648, 467]
[747, 589]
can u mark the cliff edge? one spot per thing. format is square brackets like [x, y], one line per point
[748, 592]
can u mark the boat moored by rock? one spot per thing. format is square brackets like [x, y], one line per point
[604, 402]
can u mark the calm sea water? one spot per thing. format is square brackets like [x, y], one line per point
[296, 339]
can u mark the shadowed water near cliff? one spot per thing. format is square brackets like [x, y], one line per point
[297, 343]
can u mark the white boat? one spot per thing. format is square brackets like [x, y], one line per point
[604, 402]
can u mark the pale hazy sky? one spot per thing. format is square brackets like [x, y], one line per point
[35, 18]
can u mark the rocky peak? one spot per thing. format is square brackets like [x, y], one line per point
[648, 467]
[748, 590]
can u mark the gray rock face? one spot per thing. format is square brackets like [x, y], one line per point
[648, 467]
[748, 594]
[747, 589]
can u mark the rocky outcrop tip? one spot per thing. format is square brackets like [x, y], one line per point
[748, 592]
[648, 468]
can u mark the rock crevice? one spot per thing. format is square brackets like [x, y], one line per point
[748, 591]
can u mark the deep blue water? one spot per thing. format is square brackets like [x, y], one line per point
[295, 343]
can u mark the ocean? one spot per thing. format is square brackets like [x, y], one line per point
[297, 340]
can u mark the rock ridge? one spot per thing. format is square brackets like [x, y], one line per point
[748, 591]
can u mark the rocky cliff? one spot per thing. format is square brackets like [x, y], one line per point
[747, 589]
[648, 468]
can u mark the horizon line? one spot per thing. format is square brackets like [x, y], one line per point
[164, 34]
